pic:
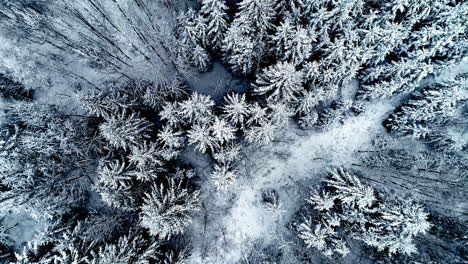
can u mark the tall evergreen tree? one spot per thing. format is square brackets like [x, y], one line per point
[166, 209]
[281, 82]
[215, 12]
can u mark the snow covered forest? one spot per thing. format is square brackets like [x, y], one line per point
[233, 131]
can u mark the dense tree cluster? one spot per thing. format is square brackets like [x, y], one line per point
[303, 52]
[349, 208]
[110, 182]
[435, 115]
[48, 162]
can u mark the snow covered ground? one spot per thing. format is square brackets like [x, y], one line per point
[228, 225]
[217, 82]
[231, 221]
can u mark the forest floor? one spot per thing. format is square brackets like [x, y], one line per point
[233, 220]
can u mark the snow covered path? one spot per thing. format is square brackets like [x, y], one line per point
[283, 167]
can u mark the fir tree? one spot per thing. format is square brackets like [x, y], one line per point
[170, 138]
[127, 249]
[222, 131]
[226, 155]
[262, 134]
[223, 177]
[258, 115]
[280, 114]
[350, 190]
[197, 108]
[114, 181]
[171, 113]
[281, 82]
[258, 14]
[215, 12]
[200, 136]
[166, 210]
[148, 158]
[200, 58]
[236, 109]
[125, 131]
[293, 43]
[240, 50]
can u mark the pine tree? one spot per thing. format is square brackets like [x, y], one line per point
[322, 202]
[227, 154]
[39, 149]
[166, 210]
[319, 237]
[107, 105]
[200, 58]
[280, 114]
[426, 111]
[240, 50]
[258, 14]
[309, 120]
[236, 109]
[310, 100]
[148, 159]
[282, 82]
[197, 108]
[170, 138]
[223, 177]
[200, 136]
[125, 131]
[263, 134]
[350, 190]
[258, 115]
[215, 12]
[113, 183]
[128, 249]
[222, 131]
[350, 208]
[114, 174]
[171, 113]
[191, 28]
[293, 43]
[156, 95]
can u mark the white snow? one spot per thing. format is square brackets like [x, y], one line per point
[284, 166]
[217, 82]
[24, 228]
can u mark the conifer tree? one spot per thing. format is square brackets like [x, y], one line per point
[261, 134]
[200, 135]
[170, 138]
[258, 115]
[127, 249]
[215, 12]
[236, 109]
[240, 50]
[222, 131]
[280, 82]
[258, 14]
[223, 177]
[226, 155]
[197, 108]
[171, 113]
[166, 209]
[114, 182]
[41, 151]
[293, 43]
[125, 131]
[200, 58]
[348, 207]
